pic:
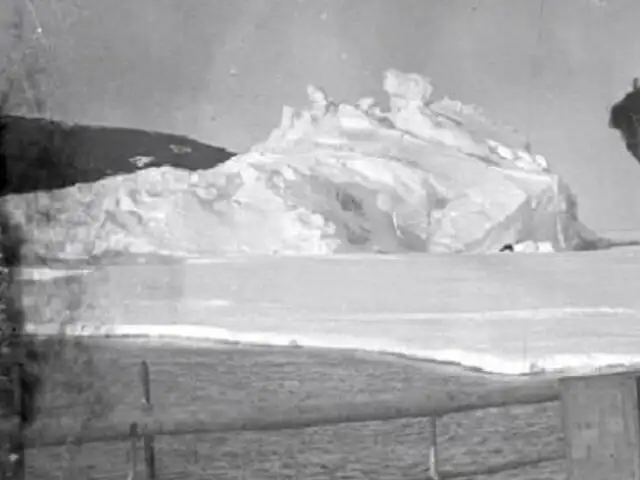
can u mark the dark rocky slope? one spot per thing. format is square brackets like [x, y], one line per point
[40, 155]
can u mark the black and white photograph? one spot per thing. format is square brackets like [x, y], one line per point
[319, 239]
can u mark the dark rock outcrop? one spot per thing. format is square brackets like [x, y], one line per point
[625, 117]
[41, 155]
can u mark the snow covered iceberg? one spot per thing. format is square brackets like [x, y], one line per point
[421, 177]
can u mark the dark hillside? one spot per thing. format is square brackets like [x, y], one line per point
[42, 154]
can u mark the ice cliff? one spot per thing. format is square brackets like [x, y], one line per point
[420, 176]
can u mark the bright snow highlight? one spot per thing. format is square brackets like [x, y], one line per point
[421, 177]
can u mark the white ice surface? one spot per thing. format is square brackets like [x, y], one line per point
[505, 313]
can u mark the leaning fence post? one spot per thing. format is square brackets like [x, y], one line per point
[433, 450]
[601, 422]
[148, 440]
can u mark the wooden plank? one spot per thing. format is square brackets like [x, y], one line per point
[185, 421]
[469, 472]
[601, 425]
[506, 466]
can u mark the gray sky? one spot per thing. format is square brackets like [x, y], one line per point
[221, 70]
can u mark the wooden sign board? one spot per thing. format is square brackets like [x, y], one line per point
[601, 422]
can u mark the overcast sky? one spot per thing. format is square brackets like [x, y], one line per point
[220, 70]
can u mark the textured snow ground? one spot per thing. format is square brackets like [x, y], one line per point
[507, 313]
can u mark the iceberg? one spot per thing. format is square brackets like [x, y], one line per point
[419, 176]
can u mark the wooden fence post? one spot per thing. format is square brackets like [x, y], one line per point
[133, 451]
[601, 422]
[433, 450]
[19, 460]
[148, 440]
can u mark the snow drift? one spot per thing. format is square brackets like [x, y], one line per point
[421, 177]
